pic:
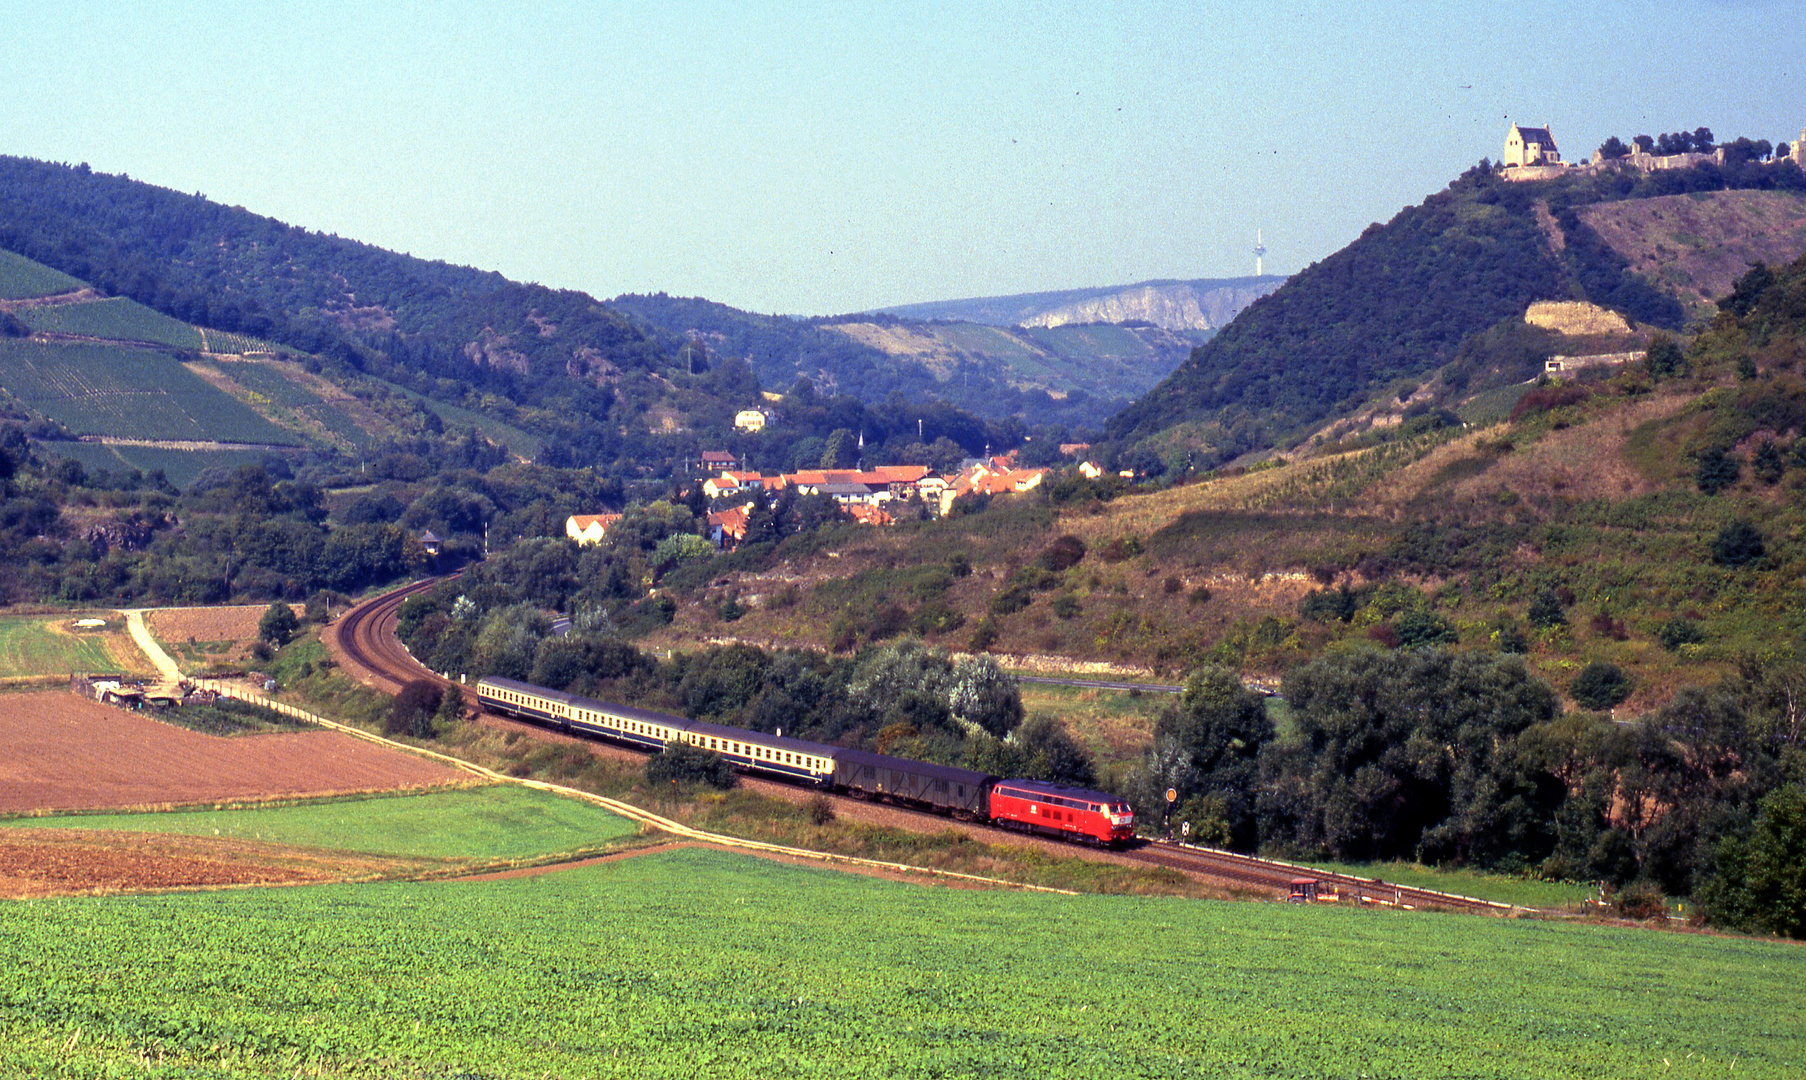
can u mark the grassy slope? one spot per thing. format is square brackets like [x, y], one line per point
[1597, 497]
[1698, 245]
[1104, 361]
[700, 964]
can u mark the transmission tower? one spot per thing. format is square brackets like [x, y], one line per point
[1260, 250]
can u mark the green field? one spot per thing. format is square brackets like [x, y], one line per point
[502, 821]
[118, 319]
[181, 467]
[21, 278]
[700, 964]
[129, 393]
[29, 646]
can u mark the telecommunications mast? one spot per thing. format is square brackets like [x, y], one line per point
[1260, 249]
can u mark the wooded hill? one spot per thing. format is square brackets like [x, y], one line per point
[551, 374]
[1387, 311]
[1072, 376]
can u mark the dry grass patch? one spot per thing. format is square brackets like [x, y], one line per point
[1585, 461]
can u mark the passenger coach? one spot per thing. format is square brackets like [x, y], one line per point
[1031, 805]
[793, 759]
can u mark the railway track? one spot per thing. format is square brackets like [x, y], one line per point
[365, 639]
[1267, 874]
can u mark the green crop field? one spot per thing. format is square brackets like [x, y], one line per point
[180, 467]
[21, 278]
[500, 821]
[36, 645]
[118, 319]
[129, 393]
[699, 964]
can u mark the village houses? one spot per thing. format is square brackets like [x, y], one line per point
[866, 494]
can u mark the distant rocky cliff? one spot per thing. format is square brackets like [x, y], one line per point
[1176, 306]
[1202, 304]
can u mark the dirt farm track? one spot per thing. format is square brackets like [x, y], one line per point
[62, 752]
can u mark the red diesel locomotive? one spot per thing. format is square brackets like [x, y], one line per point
[1068, 812]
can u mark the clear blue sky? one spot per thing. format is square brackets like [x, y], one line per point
[816, 158]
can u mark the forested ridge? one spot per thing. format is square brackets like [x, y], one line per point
[782, 350]
[1399, 301]
[598, 386]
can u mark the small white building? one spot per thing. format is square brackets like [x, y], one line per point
[1529, 146]
[589, 528]
[752, 419]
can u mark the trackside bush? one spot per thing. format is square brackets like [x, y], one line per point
[684, 763]
[413, 710]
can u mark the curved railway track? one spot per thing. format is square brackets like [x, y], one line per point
[364, 637]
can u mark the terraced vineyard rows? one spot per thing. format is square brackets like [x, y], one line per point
[128, 393]
[21, 278]
[180, 467]
[224, 341]
[269, 380]
[116, 319]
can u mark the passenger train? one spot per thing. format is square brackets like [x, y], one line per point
[1030, 805]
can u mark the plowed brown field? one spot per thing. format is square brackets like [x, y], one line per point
[236, 622]
[66, 862]
[63, 752]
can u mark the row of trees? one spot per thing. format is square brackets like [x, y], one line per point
[1465, 758]
[1697, 141]
[901, 698]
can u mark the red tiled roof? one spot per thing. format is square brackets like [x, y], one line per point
[584, 521]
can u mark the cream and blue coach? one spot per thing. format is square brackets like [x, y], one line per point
[793, 759]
